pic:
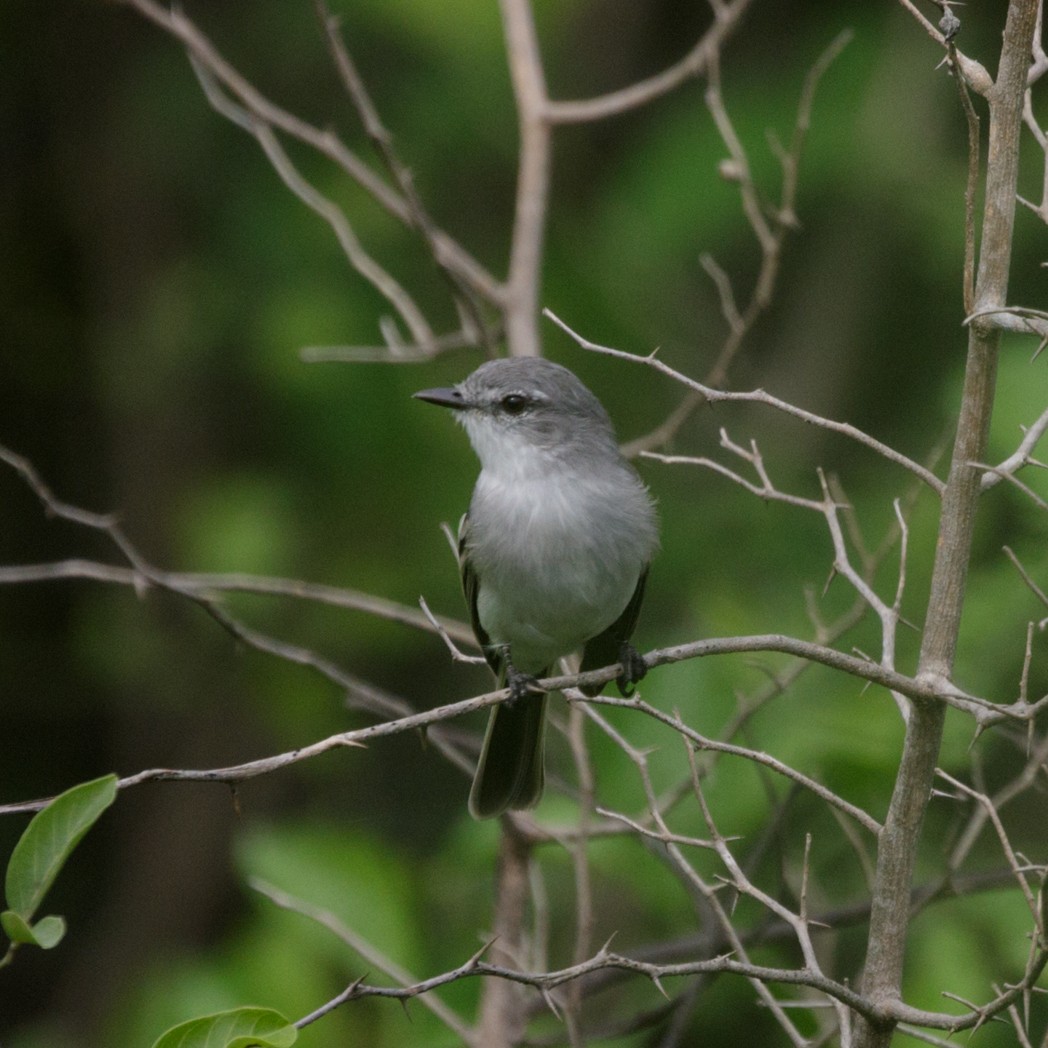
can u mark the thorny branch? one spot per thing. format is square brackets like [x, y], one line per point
[140, 575]
[757, 396]
[606, 961]
[898, 844]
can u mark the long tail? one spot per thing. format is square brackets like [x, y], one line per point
[510, 774]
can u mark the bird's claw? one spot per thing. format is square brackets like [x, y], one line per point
[520, 684]
[633, 668]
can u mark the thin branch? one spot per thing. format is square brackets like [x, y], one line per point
[326, 143]
[740, 882]
[704, 744]
[1012, 479]
[585, 915]
[1022, 456]
[758, 396]
[360, 945]
[1027, 577]
[829, 507]
[727, 18]
[925, 689]
[770, 230]
[391, 352]
[475, 328]
[990, 810]
[362, 262]
[975, 74]
[206, 586]
[605, 960]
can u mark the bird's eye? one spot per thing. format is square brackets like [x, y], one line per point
[514, 403]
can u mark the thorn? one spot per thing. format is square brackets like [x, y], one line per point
[550, 1003]
[475, 959]
[829, 580]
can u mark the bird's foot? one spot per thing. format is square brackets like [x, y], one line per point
[520, 684]
[633, 668]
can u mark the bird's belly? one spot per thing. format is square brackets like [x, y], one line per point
[552, 573]
[549, 611]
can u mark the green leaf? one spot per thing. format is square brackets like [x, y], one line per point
[46, 933]
[49, 931]
[50, 839]
[239, 1028]
[15, 928]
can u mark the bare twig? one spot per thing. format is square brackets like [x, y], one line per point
[990, 810]
[1022, 456]
[1027, 578]
[727, 18]
[770, 228]
[241, 102]
[474, 328]
[974, 73]
[207, 585]
[361, 261]
[758, 396]
[368, 951]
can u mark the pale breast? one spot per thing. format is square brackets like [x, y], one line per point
[556, 562]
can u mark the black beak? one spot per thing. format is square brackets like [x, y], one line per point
[446, 398]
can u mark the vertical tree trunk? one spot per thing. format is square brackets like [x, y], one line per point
[898, 843]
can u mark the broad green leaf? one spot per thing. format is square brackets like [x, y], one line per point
[239, 1028]
[46, 933]
[50, 839]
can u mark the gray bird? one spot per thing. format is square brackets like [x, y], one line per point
[554, 553]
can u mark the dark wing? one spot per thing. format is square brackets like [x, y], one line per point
[469, 588]
[606, 647]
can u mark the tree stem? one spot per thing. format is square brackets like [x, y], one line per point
[523, 283]
[899, 839]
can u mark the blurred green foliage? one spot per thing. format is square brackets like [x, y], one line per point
[157, 284]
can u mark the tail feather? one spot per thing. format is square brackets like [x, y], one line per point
[510, 773]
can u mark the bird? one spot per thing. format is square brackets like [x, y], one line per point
[554, 553]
